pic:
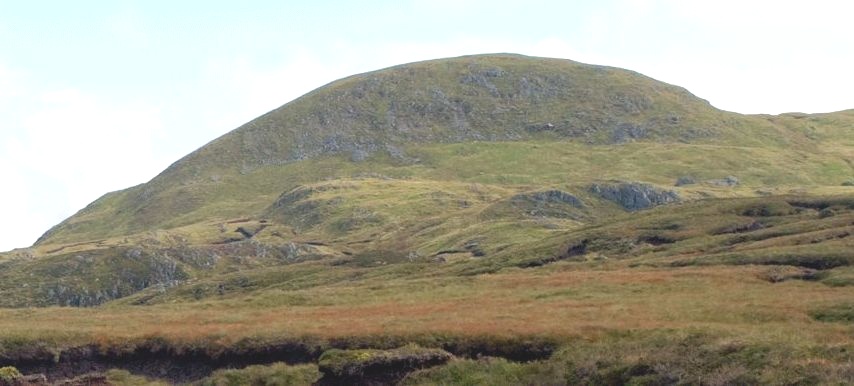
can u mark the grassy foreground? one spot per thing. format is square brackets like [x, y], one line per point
[772, 332]
[715, 291]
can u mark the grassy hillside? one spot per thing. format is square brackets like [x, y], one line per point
[535, 164]
[378, 212]
[649, 296]
[492, 219]
[399, 117]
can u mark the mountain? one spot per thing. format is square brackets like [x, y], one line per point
[445, 203]
[388, 114]
[405, 163]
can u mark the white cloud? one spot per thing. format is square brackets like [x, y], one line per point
[10, 83]
[760, 56]
[128, 26]
[94, 146]
[253, 89]
[749, 57]
[21, 224]
[71, 149]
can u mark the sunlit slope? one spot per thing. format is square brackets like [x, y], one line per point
[455, 166]
[398, 118]
[595, 225]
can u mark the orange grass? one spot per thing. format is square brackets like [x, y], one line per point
[553, 302]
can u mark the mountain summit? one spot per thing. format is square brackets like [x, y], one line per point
[386, 114]
[486, 157]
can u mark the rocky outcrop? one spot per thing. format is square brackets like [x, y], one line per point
[685, 180]
[89, 279]
[634, 195]
[551, 197]
[548, 203]
[627, 132]
[729, 181]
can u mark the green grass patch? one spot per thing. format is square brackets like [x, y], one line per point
[840, 313]
[277, 374]
[367, 366]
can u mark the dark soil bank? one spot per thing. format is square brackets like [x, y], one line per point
[161, 361]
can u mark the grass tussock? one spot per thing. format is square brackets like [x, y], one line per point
[277, 374]
[840, 313]
[377, 366]
[660, 358]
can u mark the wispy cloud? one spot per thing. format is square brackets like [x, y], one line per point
[9, 83]
[68, 151]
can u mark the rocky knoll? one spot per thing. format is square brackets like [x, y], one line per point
[634, 195]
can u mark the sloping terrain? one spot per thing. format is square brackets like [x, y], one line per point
[606, 226]
[453, 205]
[386, 116]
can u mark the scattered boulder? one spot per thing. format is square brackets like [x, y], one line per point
[826, 212]
[547, 203]
[249, 231]
[685, 180]
[578, 249]
[780, 273]
[474, 248]
[634, 195]
[627, 132]
[656, 239]
[726, 181]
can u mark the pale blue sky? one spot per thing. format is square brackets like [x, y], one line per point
[102, 95]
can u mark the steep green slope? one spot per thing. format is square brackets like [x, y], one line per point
[462, 165]
[392, 117]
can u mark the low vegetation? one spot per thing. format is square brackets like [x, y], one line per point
[9, 375]
[660, 358]
[700, 276]
[480, 220]
[275, 374]
[377, 366]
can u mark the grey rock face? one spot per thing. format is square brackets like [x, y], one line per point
[685, 180]
[631, 103]
[548, 203]
[134, 270]
[358, 155]
[554, 196]
[627, 132]
[634, 195]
